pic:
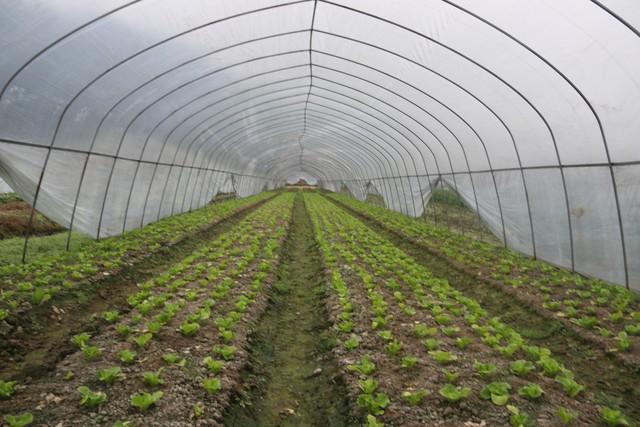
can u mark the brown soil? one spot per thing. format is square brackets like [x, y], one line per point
[14, 221]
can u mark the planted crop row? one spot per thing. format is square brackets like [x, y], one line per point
[420, 352]
[605, 313]
[23, 286]
[175, 352]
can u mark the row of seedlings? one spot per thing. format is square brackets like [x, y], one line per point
[605, 313]
[35, 283]
[176, 351]
[426, 353]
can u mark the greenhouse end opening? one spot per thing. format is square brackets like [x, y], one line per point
[319, 212]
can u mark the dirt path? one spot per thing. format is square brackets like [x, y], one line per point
[613, 385]
[293, 380]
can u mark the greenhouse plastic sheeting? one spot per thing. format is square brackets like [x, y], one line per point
[116, 113]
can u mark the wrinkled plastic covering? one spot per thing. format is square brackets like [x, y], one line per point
[116, 113]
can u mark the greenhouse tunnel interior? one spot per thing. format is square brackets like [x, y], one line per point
[117, 113]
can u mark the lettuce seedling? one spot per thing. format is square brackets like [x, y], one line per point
[497, 392]
[531, 391]
[365, 366]
[81, 340]
[226, 335]
[7, 388]
[152, 379]
[485, 370]
[521, 367]
[110, 375]
[225, 351]
[122, 424]
[550, 367]
[91, 352]
[174, 359]
[453, 394]
[613, 417]
[189, 329]
[570, 386]
[144, 400]
[422, 331]
[374, 405]
[394, 347]
[450, 376]
[431, 344]
[519, 418]
[413, 398]
[463, 342]
[214, 366]
[372, 422]
[91, 398]
[127, 356]
[211, 385]
[408, 362]
[111, 316]
[352, 343]
[19, 420]
[623, 342]
[368, 386]
[566, 416]
[142, 340]
[123, 330]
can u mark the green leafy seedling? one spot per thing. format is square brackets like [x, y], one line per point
[374, 404]
[110, 375]
[214, 366]
[153, 379]
[497, 392]
[519, 418]
[225, 351]
[521, 367]
[111, 316]
[91, 353]
[368, 386]
[143, 339]
[454, 394]
[81, 340]
[19, 420]
[144, 400]
[613, 417]
[484, 370]
[443, 357]
[127, 356]
[413, 398]
[570, 386]
[531, 391]
[365, 366]
[211, 385]
[91, 398]
[189, 329]
[7, 389]
[566, 416]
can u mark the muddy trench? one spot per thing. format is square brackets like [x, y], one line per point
[612, 384]
[292, 378]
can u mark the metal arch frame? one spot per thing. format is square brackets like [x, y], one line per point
[614, 188]
[354, 134]
[280, 126]
[277, 161]
[284, 128]
[559, 73]
[464, 153]
[105, 72]
[140, 113]
[147, 139]
[269, 121]
[492, 170]
[168, 136]
[164, 73]
[393, 146]
[465, 57]
[220, 121]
